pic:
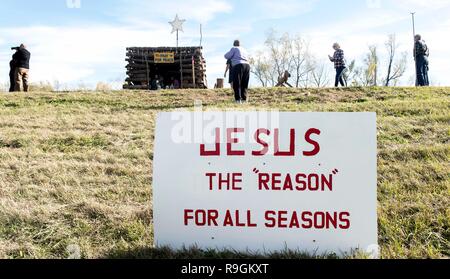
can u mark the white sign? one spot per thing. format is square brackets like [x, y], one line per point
[266, 181]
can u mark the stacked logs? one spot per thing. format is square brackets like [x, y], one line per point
[141, 67]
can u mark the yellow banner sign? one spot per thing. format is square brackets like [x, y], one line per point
[164, 57]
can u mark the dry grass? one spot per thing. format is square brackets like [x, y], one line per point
[75, 168]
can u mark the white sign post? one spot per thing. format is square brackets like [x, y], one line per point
[266, 181]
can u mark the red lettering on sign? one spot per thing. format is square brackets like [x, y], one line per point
[264, 144]
[316, 145]
[283, 219]
[270, 218]
[201, 217]
[228, 181]
[231, 140]
[298, 182]
[345, 221]
[307, 220]
[188, 216]
[291, 151]
[215, 152]
[211, 218]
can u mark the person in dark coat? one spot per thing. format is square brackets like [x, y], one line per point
[421, 54]
[12, 71]
[21, 75]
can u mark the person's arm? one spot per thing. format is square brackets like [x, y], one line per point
[333, 58]
[338, 56]
[226, 70]
[230, 54]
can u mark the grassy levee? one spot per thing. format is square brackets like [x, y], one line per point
[76, 168]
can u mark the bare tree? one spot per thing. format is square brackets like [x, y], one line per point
[280, 53]
[372, 65]
[262, 68]
[368, 74]
[300, 60]
[287, 53]
[396, 68]
[319, 75]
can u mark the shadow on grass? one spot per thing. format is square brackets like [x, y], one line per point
[197, 253]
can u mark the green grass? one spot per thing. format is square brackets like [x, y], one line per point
[76, 168]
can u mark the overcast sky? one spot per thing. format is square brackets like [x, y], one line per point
[86, 43]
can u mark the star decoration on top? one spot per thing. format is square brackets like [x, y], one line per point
[177, 24]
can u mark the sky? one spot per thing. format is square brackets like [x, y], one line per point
[80, 42]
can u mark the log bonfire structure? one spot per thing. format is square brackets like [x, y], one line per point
[184, 65]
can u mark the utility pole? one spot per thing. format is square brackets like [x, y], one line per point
[414, 39]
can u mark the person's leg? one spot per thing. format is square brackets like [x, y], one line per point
[237, 73]
[426, 68]
[420, 76]
[245, 81]
[12, 80]
[340, 72]
[18, 80]
[336, 81]
[230, 76]
[25, 76]
[338, 77]
[425, 75]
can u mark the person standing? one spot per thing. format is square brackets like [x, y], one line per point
[339, 64]
[12, 71]
[22, 59]
[154, 84]
[229, 70]
[421, 54]
[240, 72]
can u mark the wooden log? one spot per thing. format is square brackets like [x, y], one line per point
[219, 83]
[136, 72]
[126, 86]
